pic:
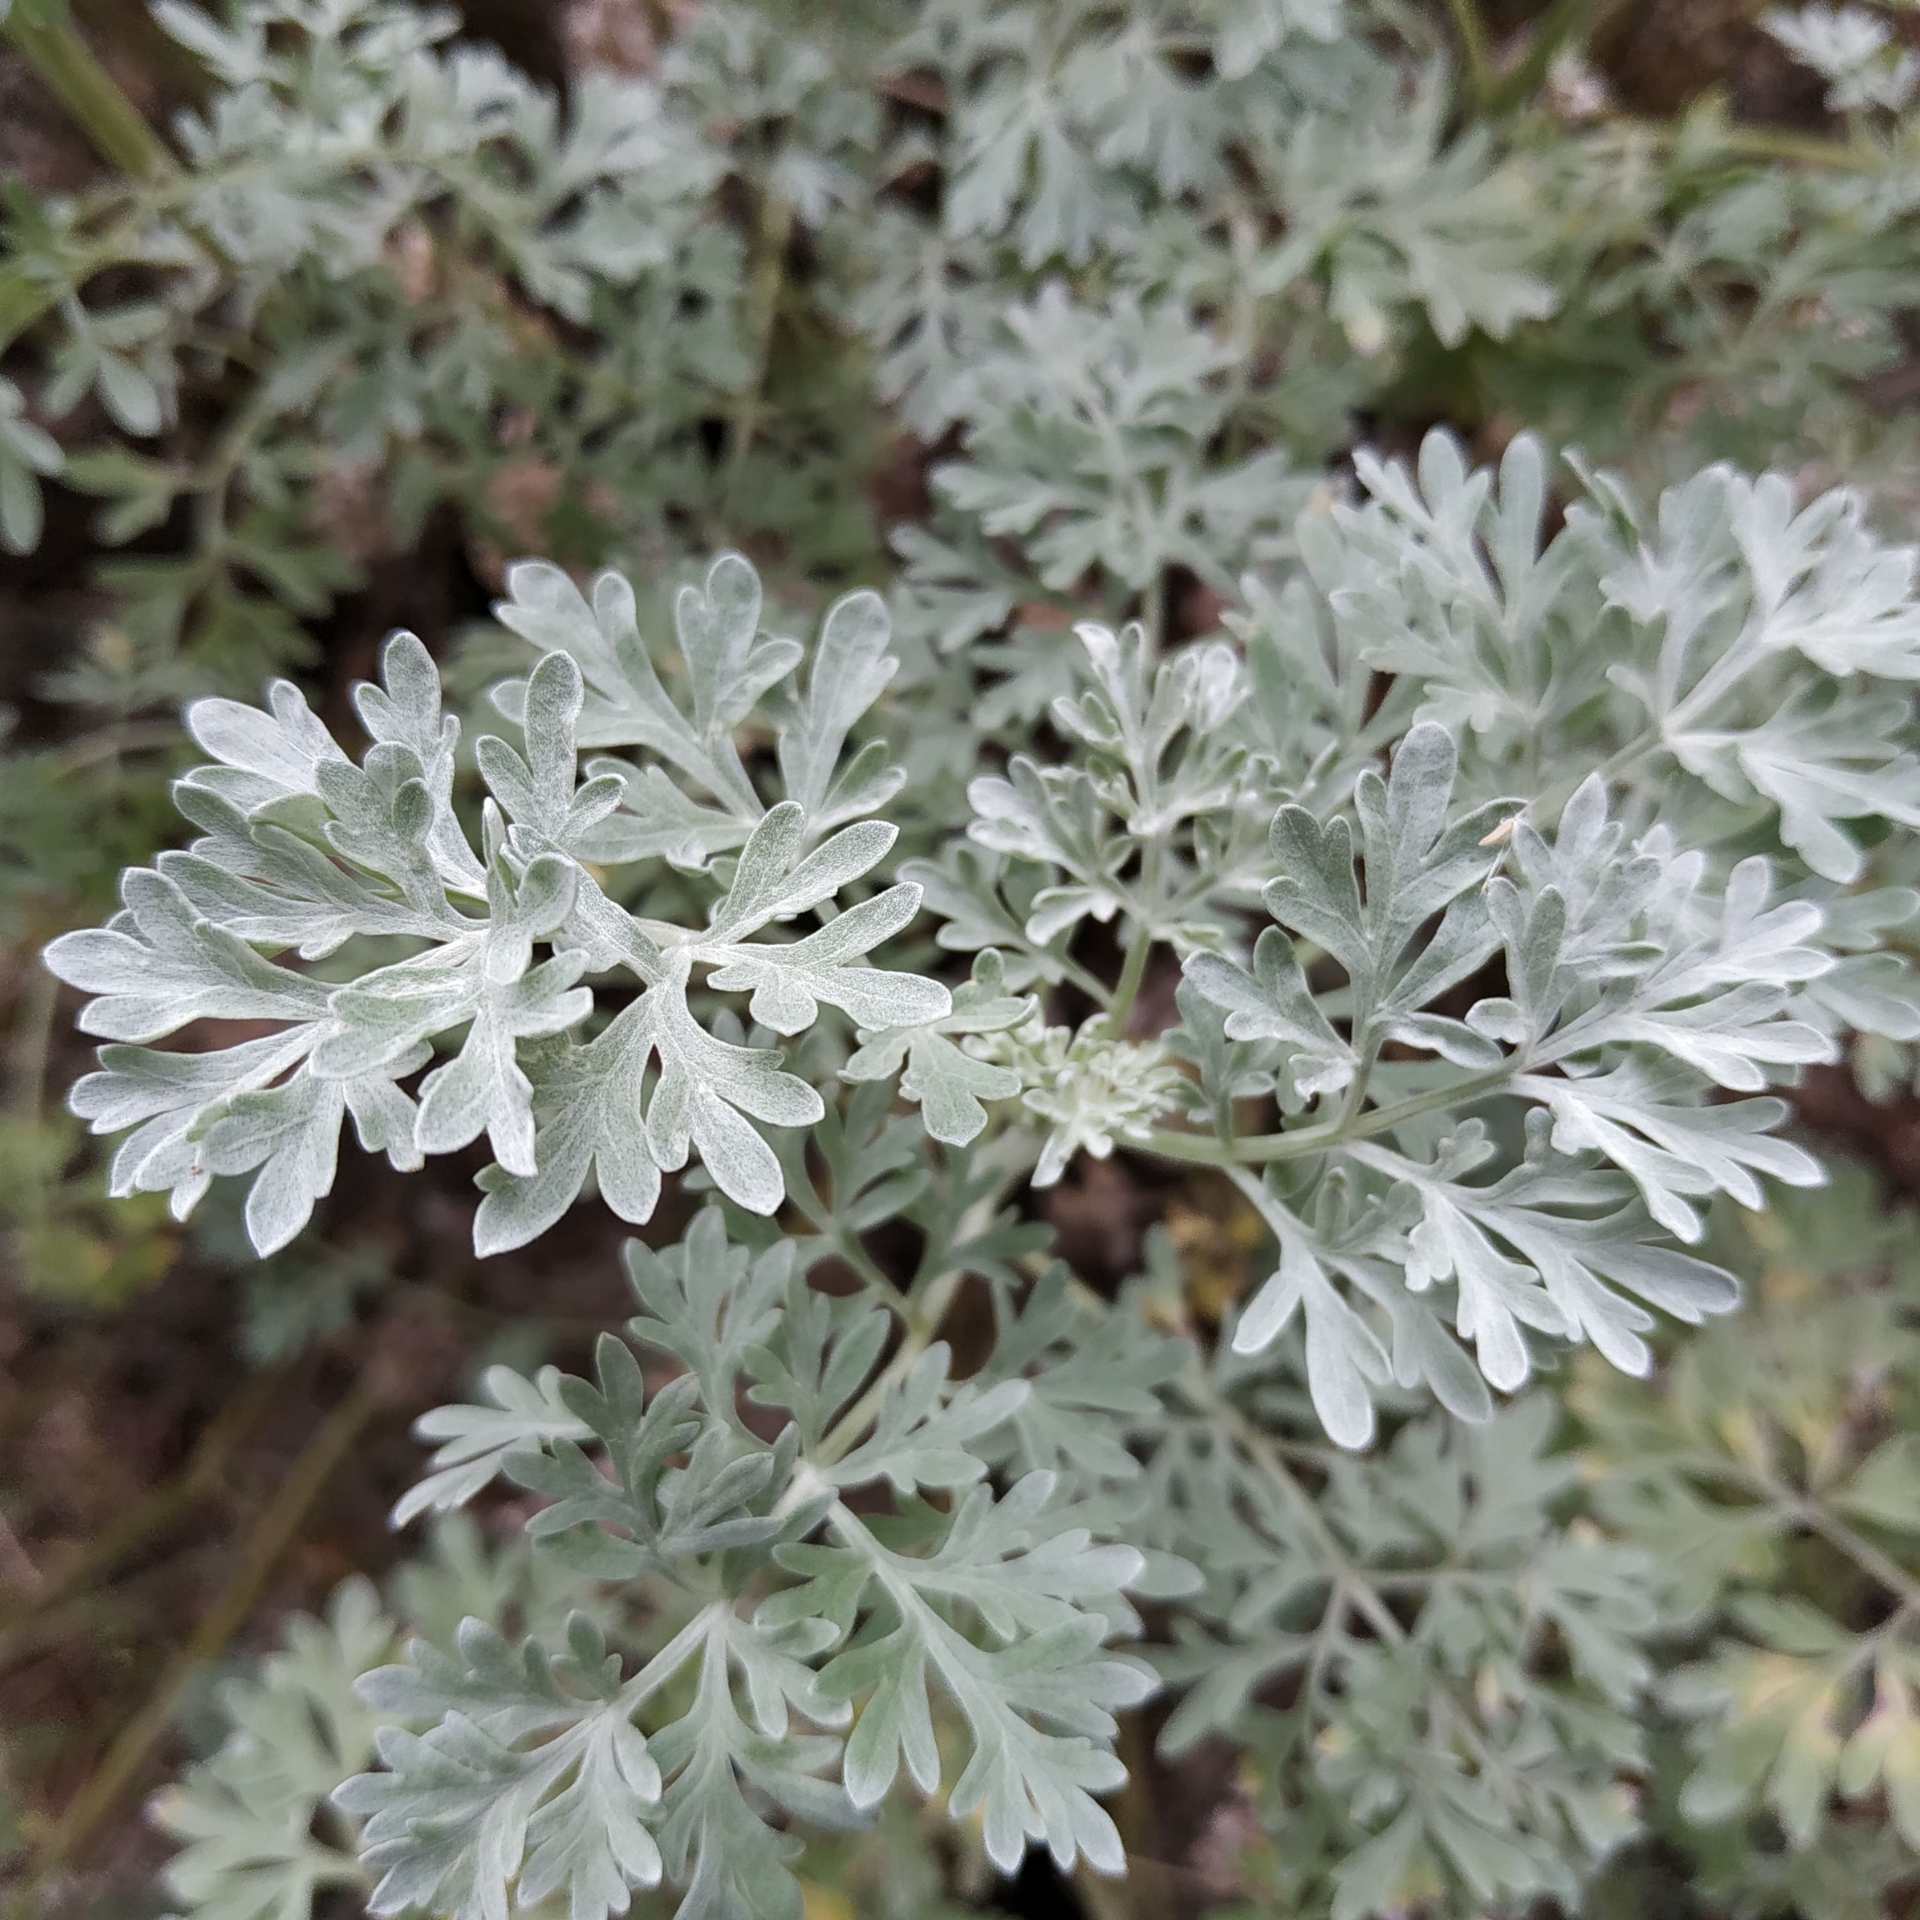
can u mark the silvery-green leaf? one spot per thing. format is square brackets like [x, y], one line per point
[1822, 764]
[1586, 1251]
[1273, 1003]
[947, 1082]
[1676, 1151]
[541, 793]
[476, 1440]
[588, 1110]
[925, 1429]
[162, 1096]
[775, 877]
[405, 709]
[710, 1304]
[709, 1093]
[482, 1088]
[264, 757]
[657, 819]
[291, 1133]
[244, 1817]
[1344, 1359]
[1094, 1379]
[718, 1844]
[1035, 1691]
[625, 704]
[286, 892]
[851, 666]
[788, 981]
[157, 965]
[458, 1814]
[1052, 816]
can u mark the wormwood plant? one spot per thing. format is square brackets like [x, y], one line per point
[1441, 914]
[1481, 985]
[1141, 264]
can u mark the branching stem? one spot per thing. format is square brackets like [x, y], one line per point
[926, 1308]
[1298, 1143]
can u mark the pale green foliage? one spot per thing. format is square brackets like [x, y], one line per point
[27, 451]
[778, 1608]
[349, 169]
[1442, 872]
[1791, 1424]
[1853, 51]
[243, 1818]
[302, 849]
[1448, 1751]
[251, 1819]
[801, 1652]
[1794, 1707]
[1468, 1663]
[1088, 434]
[1395, 215]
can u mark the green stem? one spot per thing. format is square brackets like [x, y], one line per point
[1133, 970]
[772, 233]
[1775, 144]
[846, 1243]
[1473, 49]
[1790, 1507]
[847, 1432]
[1345, 1573]
[1855, 1546]
[1354, 1105]
[1261, 1149]
[109, 743]
[926, 1308]
[1071, 973]
[1547, 805]
[1349, 1583]
[91, 96]
[671, 1658]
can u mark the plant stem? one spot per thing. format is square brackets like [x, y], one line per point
[1345, 1574]
[109, 743]
[1133, 970]
[88, 1619]
[91, 96]
[1855, 1546]
[662, 1666]
[846, 1243]
[772, 232]
[1073, 974]
[31, 1047]
[1355, 1103]
[1777, 144]
[926, 1308]
[1326, 1543]
[278, 1524]
[846, 1432]
[1473, 50]
[1262, 1149]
